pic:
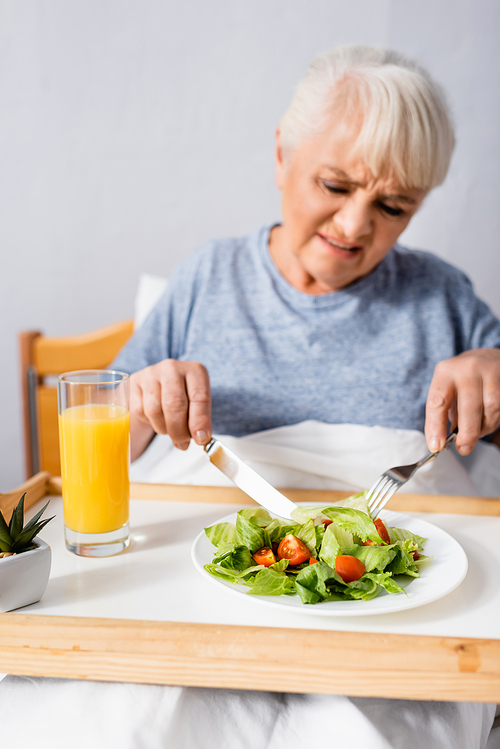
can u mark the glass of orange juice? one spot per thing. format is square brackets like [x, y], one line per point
[94, 436]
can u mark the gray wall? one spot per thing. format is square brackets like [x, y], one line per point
[131, 131]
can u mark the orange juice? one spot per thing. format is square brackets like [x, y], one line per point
[94, 467]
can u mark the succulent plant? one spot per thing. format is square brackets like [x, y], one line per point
[14, 538]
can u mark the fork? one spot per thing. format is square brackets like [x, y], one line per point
[393, 479]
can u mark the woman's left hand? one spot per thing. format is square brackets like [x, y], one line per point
[465, 391]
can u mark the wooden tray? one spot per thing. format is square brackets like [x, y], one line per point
[241, 657]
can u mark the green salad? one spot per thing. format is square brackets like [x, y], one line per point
[333, 553]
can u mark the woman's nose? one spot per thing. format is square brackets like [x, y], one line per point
[353, 219]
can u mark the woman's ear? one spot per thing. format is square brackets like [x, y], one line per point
[279, 165]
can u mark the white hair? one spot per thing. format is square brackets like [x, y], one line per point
[406, 127]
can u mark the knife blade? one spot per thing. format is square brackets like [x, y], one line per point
[249, 480]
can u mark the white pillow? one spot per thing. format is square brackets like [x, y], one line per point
[149, 291]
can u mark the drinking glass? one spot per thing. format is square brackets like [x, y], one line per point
[94, 435]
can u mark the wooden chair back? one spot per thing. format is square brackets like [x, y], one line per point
[42, 360]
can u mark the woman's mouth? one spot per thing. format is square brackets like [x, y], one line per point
[340, 248]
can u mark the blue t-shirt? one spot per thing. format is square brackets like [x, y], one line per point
[277, 356]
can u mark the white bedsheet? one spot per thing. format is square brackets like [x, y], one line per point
[133, 716]
[314, 455]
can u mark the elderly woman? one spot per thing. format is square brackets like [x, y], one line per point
[322, 316]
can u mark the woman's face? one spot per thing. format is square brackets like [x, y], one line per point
[339, 221]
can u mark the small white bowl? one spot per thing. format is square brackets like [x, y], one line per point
[24, 577]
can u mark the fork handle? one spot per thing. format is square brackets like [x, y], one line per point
[430, 456]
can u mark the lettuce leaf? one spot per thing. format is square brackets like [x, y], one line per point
[403, 562]
[258, 515]
[356, 502]
[400, 534]
[354, 521]
[311, 582]
[278, 529]
[271, 582]
[233, 557]
[249, 534]
[221, 533]
[307, 534]
[232, 576]
[330, 547]
[373, 557]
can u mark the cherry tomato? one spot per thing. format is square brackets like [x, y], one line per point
[313, 561]
[327, 522]
[382, 530]
[293, 549]
[369, 543]
[264, 556]
[416, 555]
[349, 568]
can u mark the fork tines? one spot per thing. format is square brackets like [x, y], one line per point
[380, 493]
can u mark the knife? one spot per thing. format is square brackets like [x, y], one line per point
[248, 480]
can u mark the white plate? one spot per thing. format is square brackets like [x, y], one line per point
[438, 578]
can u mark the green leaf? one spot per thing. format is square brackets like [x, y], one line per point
[403, 562]
[278, 529]
[280, 566]
[330, 547]
[16, 521]
[315, 578]
[307, 595]
[27, 535]
[363, 589]
[232, 576]
[259, 515]
[320, 533]
[238, 559]
[221, 533]
[307, 534]
[401, 535]
[270, 582]
[386, 581]
[303, 514]
[249, 534]
[5, 537]
[354, 521]
[356, 502]
[31, 524]
[373, 557]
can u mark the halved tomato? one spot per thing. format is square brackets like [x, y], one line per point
[264, 556]
[349, 568]
[382, 530]
[293, 549]
[313, 561]
[327, 522]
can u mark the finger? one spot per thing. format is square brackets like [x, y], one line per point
[175, 404]
[491, 408]
[200, 403]
[440, 400]
[470, 413]
[136, 408]
[151, 404]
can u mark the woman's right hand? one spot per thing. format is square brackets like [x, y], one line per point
[171, 397]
